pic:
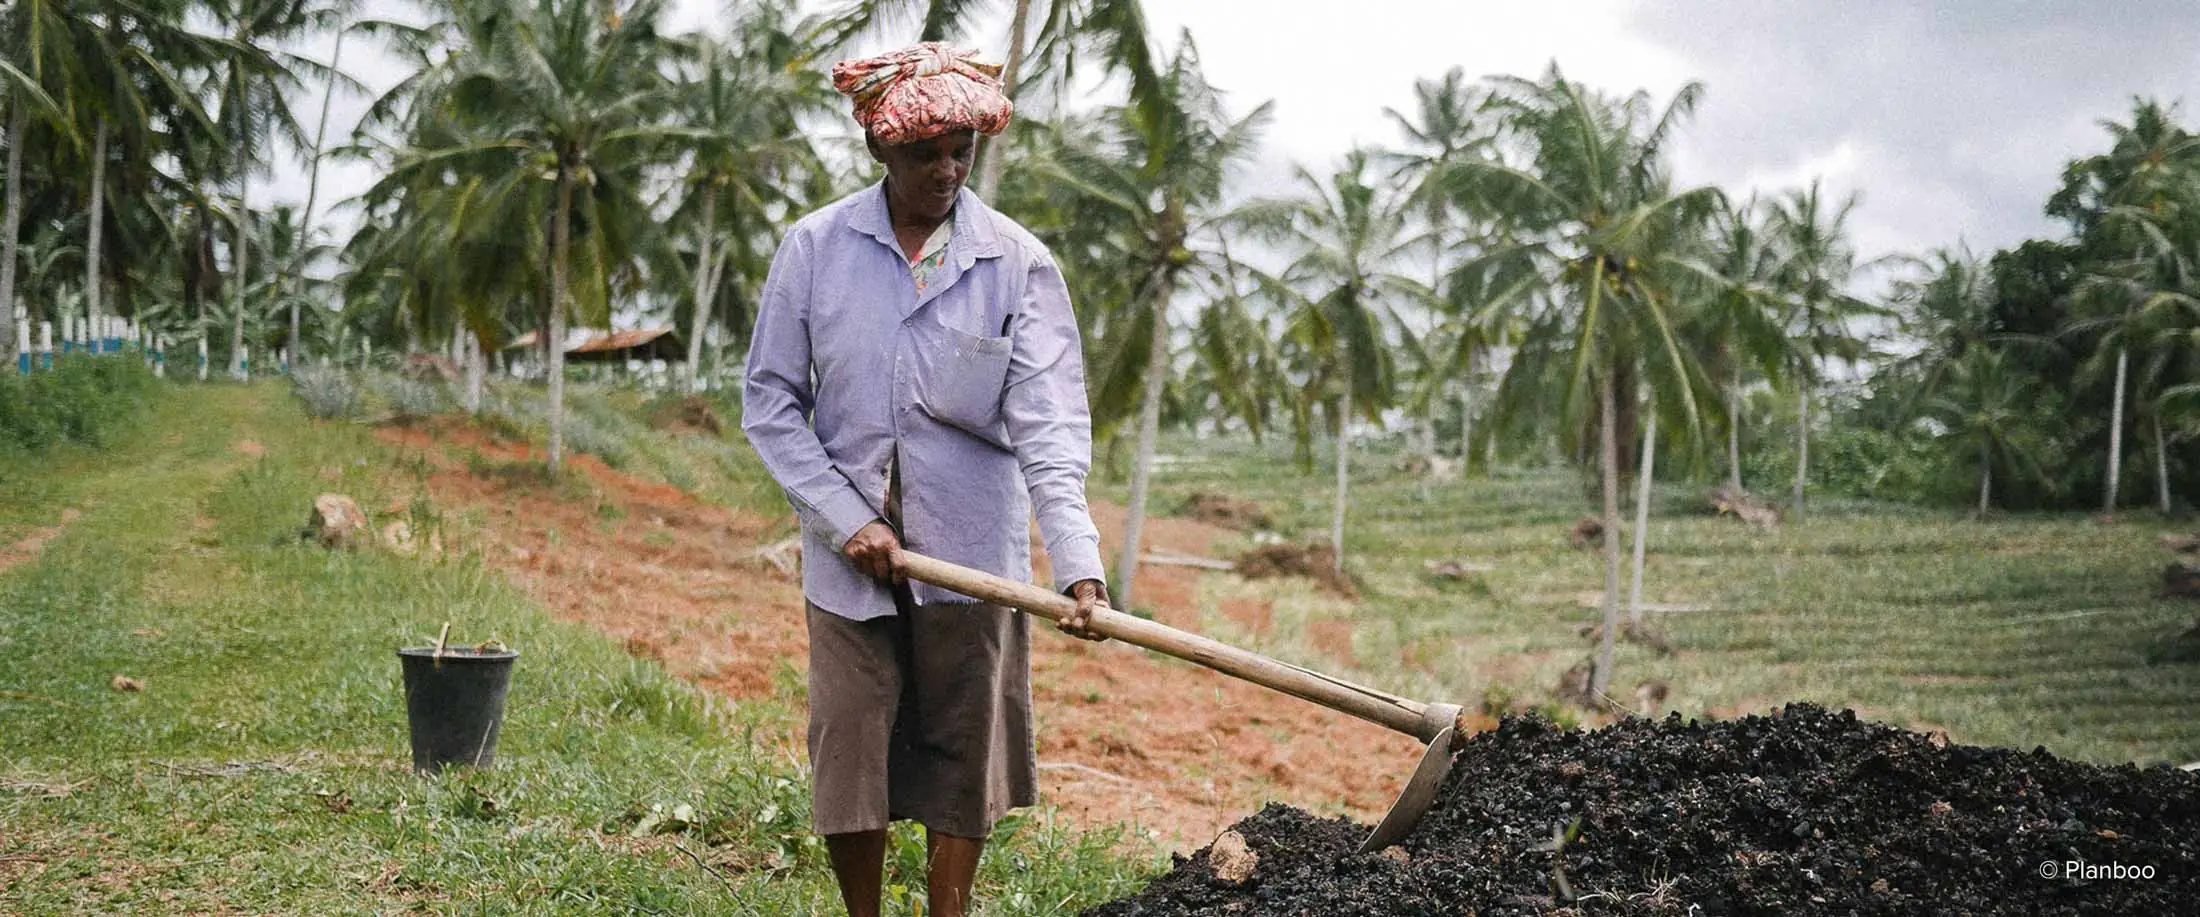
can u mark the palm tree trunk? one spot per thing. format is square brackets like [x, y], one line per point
[1344, 454]
[1466, 427]
[1149, 432]
[1466, 419]
[1802, 444]
[2161, 465]
[554, 335]
[989, 171]
[1734, 431]
[10, 221]
[313, 182]
[1600, 678]
[705, 285]
[1642, 518]
[475, 368]
[1985, 478]
[244, 260]
[98, 222]
[2116, 435]
[1489, 447]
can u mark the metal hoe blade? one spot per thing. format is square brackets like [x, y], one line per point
[1420, 791]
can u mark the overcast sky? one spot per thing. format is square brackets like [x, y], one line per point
[1951, 119]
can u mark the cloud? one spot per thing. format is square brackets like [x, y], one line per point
[1958, 116]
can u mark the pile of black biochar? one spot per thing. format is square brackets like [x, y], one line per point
[1804, 812]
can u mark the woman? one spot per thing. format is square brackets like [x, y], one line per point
[948, 404]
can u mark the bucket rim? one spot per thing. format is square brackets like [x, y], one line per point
[460, 654]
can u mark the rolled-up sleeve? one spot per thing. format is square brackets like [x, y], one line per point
[776, 401]
[1050, 424]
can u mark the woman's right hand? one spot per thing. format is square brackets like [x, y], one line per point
[876, 550]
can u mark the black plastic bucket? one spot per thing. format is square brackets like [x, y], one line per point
[455, 705]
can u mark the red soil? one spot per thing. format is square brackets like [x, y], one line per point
[1125, 736]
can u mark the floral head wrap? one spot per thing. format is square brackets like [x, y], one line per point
[922, 92]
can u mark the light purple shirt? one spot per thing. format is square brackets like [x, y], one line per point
[978, 383]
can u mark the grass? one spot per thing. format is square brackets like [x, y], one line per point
[264, 768]
[2016, 631]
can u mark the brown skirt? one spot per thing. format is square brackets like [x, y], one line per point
[922, 715]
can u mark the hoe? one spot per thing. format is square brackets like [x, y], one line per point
[1435, 724]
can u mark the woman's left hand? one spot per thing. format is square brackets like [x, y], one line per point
[1090, 594]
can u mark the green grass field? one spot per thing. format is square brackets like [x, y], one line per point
[264, 768]
[2016, 631]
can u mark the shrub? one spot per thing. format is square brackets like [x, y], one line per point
[413, 398]
[584, 434]
[83, 400]
[329, 394]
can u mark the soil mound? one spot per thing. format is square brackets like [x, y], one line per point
[1227, 512]
[1804, 812]
[690, 414]
[1317, 562]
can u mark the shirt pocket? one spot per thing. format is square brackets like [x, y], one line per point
[962, 377]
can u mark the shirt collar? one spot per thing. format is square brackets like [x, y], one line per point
[974, 235]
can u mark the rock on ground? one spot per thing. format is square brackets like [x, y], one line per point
[1807, 812]
[338, 522]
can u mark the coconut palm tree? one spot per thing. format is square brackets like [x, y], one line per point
[132, 57]
[1816, 262]
[1445, 128]
[742, 101]
[1348, 238]
[1738, 316]
[1946, 302]
[2170, 355]
[253, 86]
[2146, 304]
[313, 191]
[2128, 206]
[1592, 207]
[37, 58]
[1237, 360]
[1152, 188]
[1981, 411]
[551, 108]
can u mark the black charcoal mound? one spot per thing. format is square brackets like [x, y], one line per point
[1804, 812]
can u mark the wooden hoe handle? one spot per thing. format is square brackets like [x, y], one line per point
[1406, 716]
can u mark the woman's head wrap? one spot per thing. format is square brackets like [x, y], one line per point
[922, 92]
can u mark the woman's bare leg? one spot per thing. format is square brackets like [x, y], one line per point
[859, 859]
[951, 868]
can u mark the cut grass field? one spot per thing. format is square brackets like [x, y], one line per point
[264, 768]
[2016, 631]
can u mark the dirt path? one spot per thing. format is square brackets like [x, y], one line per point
[1124, 736]
[28, 548]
